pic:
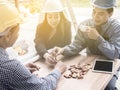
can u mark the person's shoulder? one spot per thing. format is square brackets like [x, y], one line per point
[41, 27]
[115, 24]
[10, 64]
[114, 21]
[67, 21]
[67, 24]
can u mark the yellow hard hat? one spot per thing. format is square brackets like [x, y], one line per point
[9, 16]
[53, 6]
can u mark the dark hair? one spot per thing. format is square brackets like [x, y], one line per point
[61, 25]
[110, 10]
[62, 18]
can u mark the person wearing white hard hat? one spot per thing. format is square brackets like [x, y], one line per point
[14, 75]
[55, 30]
[101, 35]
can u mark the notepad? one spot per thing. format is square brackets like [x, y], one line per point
[103, 66]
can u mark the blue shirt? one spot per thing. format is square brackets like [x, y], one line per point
[107, 44]
[15, 76]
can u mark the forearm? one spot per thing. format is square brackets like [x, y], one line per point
[72, 49]
[50, 82]
[76, 46]
[110, 50]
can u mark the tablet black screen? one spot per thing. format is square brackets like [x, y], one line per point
[103, 66]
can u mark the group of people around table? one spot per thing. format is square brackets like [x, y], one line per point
[101, 37]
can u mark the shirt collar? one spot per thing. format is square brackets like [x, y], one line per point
[106, 25]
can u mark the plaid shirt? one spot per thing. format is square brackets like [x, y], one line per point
[15, 76]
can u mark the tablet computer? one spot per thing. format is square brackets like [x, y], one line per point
[103, 66]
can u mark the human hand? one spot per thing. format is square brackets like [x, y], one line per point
[92, 33]
[60, 66]
[32, 67]
[50, 59]
[57, 51]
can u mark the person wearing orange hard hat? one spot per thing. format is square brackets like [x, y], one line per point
[14, 75]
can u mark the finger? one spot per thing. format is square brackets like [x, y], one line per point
[53, 50]
[88, 31]
[32, 69]
[54, 60]
[31, 64]
[56, 49]
[51, 61]
[58, 53]
[35, 66]
[54, 53]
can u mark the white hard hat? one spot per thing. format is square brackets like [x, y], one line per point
[105, 4]
[53, 6]
[9, 16]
